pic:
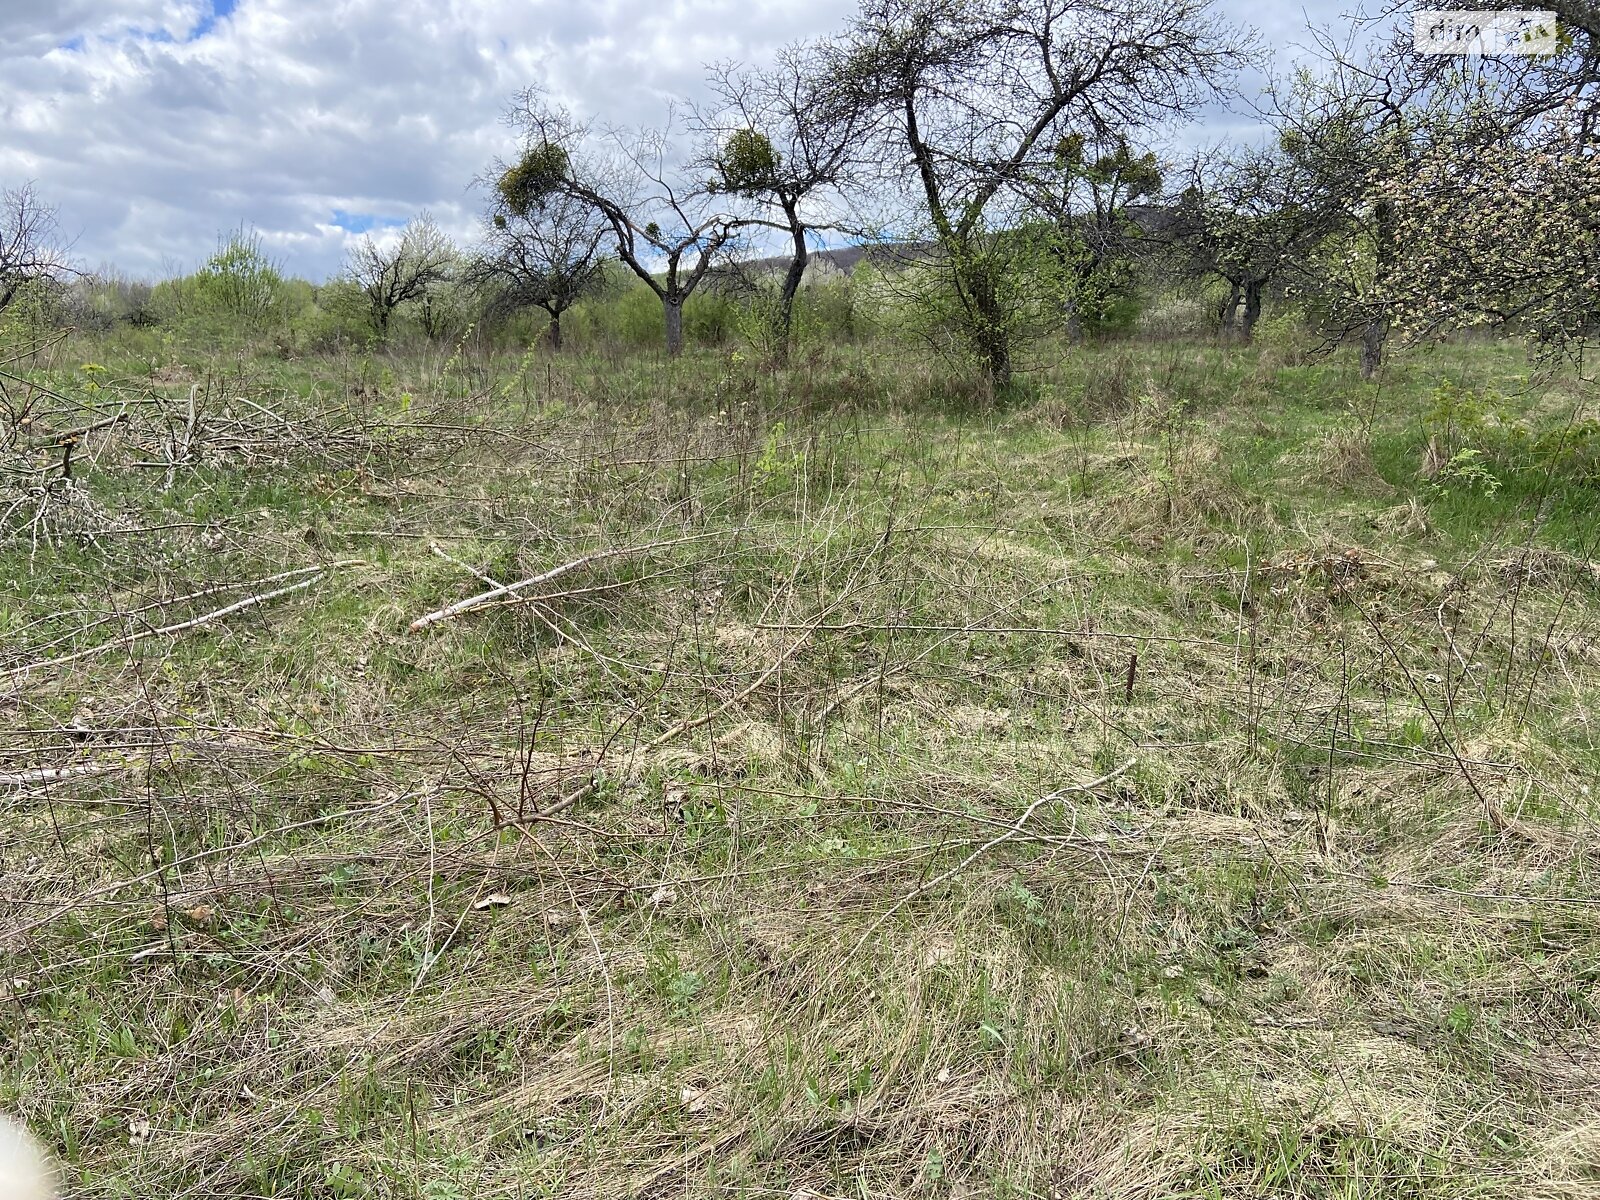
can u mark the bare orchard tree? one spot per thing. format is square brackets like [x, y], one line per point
[663, 220]
[1089, 203]
[967, 98]
[405, 271]
[31, 247]
[1249, 217]
[547, 256]
[774, 141]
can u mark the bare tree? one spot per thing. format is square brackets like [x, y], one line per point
[662, 223]
[31, 247]
[1248, 217]
[547, 256]
[775, 142]
[1087, 201]
[422, 260]
[969, 97]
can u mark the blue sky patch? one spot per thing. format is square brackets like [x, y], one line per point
[362, 222]
[219, 10]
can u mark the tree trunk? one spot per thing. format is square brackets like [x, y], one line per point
[674, 310]
[553, 334]
[1252, 308]
[1229, 309]
[986, 320]
[1074, 321]
[783, 320]
[1000, 364]
[1377, 330]
[1372, 339]
[993, 341]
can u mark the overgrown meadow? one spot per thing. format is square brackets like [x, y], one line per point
[453, 769]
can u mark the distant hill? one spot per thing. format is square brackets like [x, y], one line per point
[1150, 218]
[844, 260]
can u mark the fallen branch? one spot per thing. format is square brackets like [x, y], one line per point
[216, 614]
[439, 550]
[21, 779]
[57, 440]
[503, 590]
[1038, 631]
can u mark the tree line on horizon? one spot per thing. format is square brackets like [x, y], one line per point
[1012, 142]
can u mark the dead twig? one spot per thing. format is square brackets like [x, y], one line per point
[439, 550]
[682, 727]
[1041, 631]
[233, 848]
[450, 612]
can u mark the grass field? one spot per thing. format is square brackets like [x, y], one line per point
[1174, 783]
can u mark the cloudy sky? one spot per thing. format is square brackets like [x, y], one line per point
[157, 124]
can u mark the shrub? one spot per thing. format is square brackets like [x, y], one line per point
[239, 290]
[241, 281]
[1477, 441]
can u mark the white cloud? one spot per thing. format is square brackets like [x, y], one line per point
[30, 28]
[153, 139]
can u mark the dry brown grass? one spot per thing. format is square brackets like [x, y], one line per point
[690, 880]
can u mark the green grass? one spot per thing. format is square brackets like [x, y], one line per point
[297, 918]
